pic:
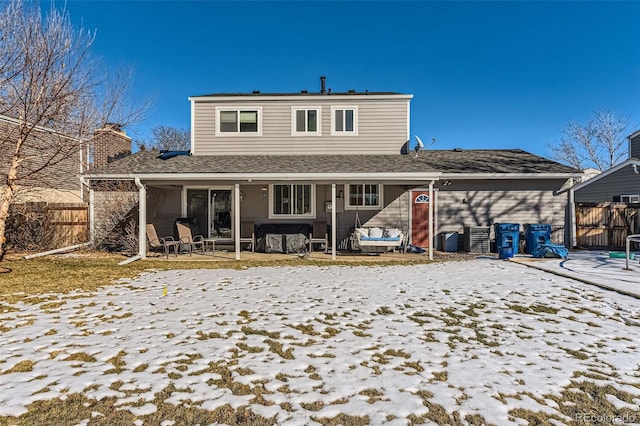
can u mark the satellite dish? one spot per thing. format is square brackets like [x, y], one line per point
[420, 144]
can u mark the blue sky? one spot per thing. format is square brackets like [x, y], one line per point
[488, 75]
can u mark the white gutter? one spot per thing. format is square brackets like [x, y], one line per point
[248, 177]
[58, 250]
[458, 176]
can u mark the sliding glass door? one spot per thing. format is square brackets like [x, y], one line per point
[212, 208]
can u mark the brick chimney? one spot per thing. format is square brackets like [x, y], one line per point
[109, 144]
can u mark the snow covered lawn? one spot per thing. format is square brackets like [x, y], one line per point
[477, 342]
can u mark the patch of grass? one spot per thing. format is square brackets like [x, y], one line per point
[577, 354]
[75, 409]
[277, 348]
[80, 356]
[304, 328]
[384, 310]
[342, 420]
[373, 394]
[21, 367]
[250, 330]
[55, 274]
[212, 335]
[536, 309]
[117, 362]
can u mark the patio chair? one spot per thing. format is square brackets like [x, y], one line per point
[319, 236]
[248, 234]
[189, 241]
[164, 244]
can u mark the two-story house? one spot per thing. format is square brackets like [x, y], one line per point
[337, 157]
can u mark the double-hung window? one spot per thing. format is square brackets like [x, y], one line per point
[292, 200]
[344, 120]
[364, 196]
[305, 121]
[234, 121]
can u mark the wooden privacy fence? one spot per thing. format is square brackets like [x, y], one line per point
[41, 225]
[606, 225]
[68, 223]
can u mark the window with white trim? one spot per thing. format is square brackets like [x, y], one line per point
[630, 198]
[344, 120]
[232, 121]
[364, 196]
[305, 121]
[292, 200]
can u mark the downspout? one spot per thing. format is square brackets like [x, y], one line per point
[142, 219]
[92, 217]
[431, 239]
[333, 222]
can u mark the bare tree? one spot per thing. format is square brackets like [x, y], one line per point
[168, 138]
[55, 94]
[600, 143]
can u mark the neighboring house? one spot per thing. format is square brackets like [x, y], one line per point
[341, 158]
[53, 162]
[620, 184]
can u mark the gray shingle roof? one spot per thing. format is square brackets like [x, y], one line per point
[429, 161]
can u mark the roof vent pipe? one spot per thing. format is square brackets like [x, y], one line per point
[323, 81]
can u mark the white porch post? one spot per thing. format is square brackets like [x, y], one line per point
[333, 222]
[573, 239]
[431, 238]
[142, 219]
[236, 218]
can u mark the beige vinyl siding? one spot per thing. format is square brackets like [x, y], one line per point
[621, 182]
[382, 129]
[488, 202]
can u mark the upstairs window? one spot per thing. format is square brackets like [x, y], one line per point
[235, 121]
[344, 120]
[365, 196]
[306, 121]
[291, 200]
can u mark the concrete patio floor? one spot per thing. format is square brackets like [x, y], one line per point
[229, 255]
[592, 267]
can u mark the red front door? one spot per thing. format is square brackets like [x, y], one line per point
[420, 218]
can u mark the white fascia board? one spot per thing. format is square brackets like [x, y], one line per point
[280, 177]
[633, 135]
[606, 173]
[483, 176]
[295, 98]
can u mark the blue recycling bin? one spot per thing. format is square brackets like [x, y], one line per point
[536, 235]
[507, 236]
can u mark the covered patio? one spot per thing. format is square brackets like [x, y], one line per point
[341, 191]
